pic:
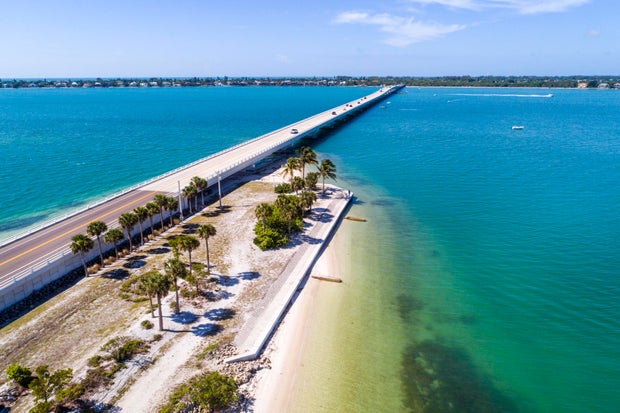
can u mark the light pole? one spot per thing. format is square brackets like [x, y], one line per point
[219, 187]
[180, 202]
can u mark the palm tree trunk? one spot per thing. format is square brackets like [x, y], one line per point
[208, 261]
[177, 310]
[116, 250]
[141, 234]
[152, 226]
[84, 264]
[161, 219]
[161, 317]
[152, 308]
[100, 250]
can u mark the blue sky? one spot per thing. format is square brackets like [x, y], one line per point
[112, 38]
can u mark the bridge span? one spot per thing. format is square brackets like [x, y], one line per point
[30, 261]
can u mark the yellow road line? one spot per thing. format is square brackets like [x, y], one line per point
[72, 229]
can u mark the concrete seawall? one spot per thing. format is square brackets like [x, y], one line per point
[257, 330]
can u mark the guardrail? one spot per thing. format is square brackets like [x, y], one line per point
[50, 258]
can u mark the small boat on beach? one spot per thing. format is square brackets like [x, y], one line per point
[518, 127]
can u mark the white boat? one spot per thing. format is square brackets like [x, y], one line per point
[518, 127]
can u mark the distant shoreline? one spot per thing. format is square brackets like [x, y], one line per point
[552, 82]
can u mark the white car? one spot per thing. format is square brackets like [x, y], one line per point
[294, 131]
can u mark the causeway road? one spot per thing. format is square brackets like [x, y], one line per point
[18, 257]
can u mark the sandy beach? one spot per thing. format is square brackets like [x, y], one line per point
[274, 387]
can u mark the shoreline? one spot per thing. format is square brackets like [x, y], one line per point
[274, 387]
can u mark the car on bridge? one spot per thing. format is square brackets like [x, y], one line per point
[294, 131]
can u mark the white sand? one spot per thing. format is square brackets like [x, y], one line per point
[274, 387]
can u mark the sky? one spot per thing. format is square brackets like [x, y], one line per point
[277, 38]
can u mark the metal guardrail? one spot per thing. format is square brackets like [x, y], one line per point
[50, 258]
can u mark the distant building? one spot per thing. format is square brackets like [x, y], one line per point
[616, 85]
[603, 86]
[582, 85]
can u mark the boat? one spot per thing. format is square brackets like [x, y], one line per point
[518, 127]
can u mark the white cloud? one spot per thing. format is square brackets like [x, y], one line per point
[593, 33]
[403, 31]
[521, 6]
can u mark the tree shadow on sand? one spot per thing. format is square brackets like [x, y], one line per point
[220, 314]
[116, 274]
[207, 329]
[184, 317]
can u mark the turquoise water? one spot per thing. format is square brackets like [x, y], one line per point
[486, 277]
[60, 148]
[503, 262]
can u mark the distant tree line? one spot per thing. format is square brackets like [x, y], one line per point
[436, 81]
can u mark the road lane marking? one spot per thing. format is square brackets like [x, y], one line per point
[73, 229]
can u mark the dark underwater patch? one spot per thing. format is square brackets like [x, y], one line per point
[437, 379]
[407, 306]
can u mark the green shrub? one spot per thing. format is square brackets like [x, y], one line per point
[146, 324]
[157, 337]
[211, 391]
[284, 188]
[269, 238]
[94, 361]
[19, 374]
[123, 348]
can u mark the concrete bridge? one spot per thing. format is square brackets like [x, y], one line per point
[30, 261]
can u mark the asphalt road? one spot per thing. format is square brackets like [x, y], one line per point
[19, 256]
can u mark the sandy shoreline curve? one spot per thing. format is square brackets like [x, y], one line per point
[274, 387]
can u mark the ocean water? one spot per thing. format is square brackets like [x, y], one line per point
[486, 278]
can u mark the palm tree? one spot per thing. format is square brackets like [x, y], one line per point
[159, 285]
[185, 243]
[263, 211]
[205, 231]
[152, 210]
[127, 221]
[95, 229]
[175, 269]
[306, 157]
[291, 165]
[307, 198]
[327, 169]
[113, 236]
[146, 286]
[160, 201]
[200, 184]
[142, 214]
[81, 244]
[189, 192]
[172, 204]
[297, 183]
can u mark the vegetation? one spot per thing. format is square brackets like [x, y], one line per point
[306, 157]
[95, 229]
[172, 204]
[210, 392]
[284, 188]
[127, 221]
[114, 235]
[205, 231]
[274, 228]
[19, 374]
[158, 285]
[121, 349]
[200, 184]
[141, 214]
[467, 81]
[160, 200]
[327, 169]
[81, 244]
[175, 269]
